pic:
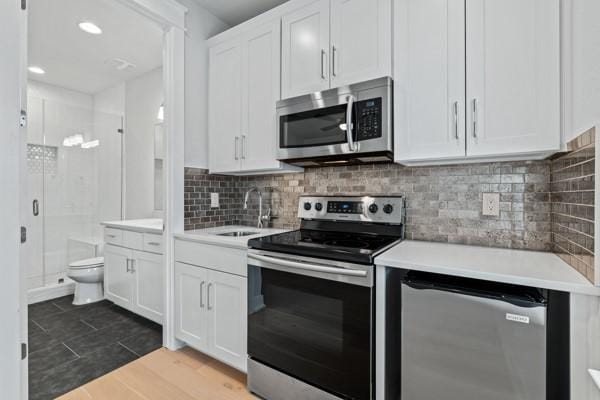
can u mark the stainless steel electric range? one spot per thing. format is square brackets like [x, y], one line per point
[311, 299]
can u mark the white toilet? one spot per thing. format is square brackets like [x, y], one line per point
[88, 275]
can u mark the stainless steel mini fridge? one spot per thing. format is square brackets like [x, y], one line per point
[471, 340]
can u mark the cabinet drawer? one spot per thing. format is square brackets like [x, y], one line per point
[133, 240]
[220, 258]
[113, 236]
[153, 243]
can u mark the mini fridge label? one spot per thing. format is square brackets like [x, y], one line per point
[517, 318]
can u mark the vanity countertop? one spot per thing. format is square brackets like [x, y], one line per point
[520, 267]
[149, 225]
[211, 235]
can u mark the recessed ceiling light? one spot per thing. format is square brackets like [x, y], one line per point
[90, 27]
[36, 70]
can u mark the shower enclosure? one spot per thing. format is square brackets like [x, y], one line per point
[75, 179]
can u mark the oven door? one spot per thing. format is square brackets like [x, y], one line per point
[346, 121]
[312, 320]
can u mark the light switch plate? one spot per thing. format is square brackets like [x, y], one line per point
[214, 200]
[491, 204]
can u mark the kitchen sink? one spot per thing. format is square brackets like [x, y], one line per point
[237, 233]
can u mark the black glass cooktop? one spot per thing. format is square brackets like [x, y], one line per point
[342, 246]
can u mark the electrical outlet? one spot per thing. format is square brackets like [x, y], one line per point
[214, 200]
[491, 204]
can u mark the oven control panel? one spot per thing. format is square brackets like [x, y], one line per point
[380, 209]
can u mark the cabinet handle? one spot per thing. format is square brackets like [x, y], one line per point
[127, 265]
[474, 112]
[208, 307]
[132, 264]
[243, 147]
[455, 113]
[334, 60]
[201, 290]
[36, 208]
[153, 244]
[237, 139]
[111, 236]
[323, 67]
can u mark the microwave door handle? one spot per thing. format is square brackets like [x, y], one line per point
[349, 127]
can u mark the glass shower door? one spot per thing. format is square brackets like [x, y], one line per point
[75, 179]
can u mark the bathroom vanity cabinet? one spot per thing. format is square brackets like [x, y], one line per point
[134, 271]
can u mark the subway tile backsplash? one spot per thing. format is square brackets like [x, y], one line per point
[572, 192]
[443, 203]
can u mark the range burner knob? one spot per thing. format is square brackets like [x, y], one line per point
[318, 206]
[307, 206]
[373, 208]
[388, 208]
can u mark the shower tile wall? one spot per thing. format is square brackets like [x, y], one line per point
[443, 203]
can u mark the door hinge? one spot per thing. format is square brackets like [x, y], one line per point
[23, 119]
[23, 4]
[23, 351]
[23, 234]
[120, 130]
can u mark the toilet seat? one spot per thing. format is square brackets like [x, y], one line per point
[87, 263]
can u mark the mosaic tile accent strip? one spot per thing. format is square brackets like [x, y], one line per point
[572, 195]
[42, 159]
[443, 202]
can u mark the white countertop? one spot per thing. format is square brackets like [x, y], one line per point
[210, 235]
[521, 267]
[149, 225]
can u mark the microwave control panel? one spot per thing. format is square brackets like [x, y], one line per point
[368, 119]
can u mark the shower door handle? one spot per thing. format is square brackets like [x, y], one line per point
[36, 207]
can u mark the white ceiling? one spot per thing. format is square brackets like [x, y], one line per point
[79, 61]
[234, 12]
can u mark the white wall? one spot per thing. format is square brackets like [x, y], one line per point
[200, 25]
[109, 111]
[583, 60]
[143, 97]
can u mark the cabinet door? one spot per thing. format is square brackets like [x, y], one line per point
[227, 306]
[305, 54]
[118, 279]
[513, 76]
[191, 285]
[149, 285]
[261, 88]
[225, 107]
[429, 79]
[361, 33]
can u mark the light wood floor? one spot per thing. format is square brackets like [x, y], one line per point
[167, 375]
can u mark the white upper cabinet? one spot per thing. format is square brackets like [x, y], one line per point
[429, 79]
[360, 40]
[260, 92]
[513, 76]
[305, 50]
[476, 79]
[358, 49]
[225, 106]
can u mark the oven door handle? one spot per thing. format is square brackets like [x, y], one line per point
[306, 266]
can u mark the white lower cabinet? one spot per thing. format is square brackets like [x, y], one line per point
[211, 311]
[134, 280]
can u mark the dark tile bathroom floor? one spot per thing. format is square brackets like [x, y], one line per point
[71, 345]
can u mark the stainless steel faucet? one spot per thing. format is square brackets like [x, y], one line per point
[261, 217]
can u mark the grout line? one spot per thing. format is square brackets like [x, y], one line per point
[127, 348]
[72, 351]
[90, 325]
[575, 178]
[587, 252]
[578, 164]
[39, 326]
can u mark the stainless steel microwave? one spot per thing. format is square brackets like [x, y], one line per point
[347, 125]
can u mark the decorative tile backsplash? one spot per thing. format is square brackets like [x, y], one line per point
[572, 193]
[443, 202]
